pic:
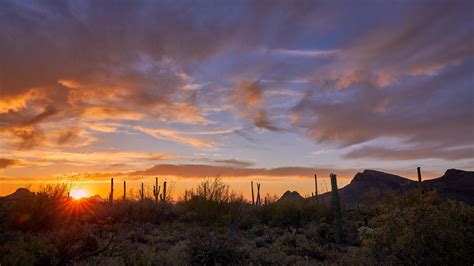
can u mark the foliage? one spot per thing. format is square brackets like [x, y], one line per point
[414, 230]
[212, 225]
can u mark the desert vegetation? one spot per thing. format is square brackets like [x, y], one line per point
[212, 225]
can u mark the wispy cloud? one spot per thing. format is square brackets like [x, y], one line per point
[175, 136]
[404, 79]
[235, 163]
[410, 153]
[248, 100]
[5, 163]
[98, 158]
[200, 170]
[305, 53]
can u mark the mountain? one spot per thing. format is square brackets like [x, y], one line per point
[97, 198]
[454, 184]
[290, 195]
[19, 194]
[372, 185]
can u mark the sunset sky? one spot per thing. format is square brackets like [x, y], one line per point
[270, 91]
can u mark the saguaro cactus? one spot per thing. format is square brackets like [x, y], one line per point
[316, 186]
[253, 196]
[420, 182]
[336, 208]
[142, 193]
[156, 190]
[124, 190]
[163, 195]
[111, 195]
[259, 202]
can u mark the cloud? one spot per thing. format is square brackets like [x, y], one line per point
[406, 79]
[91, 63]
[109, 112]
[90, 71]
[92, 68]
[17, 102]
[175, 136]
[29, 137]
[5, 163]
[417, 45]
[97, 158]
[434, 112]
[248, 100]
[200, 170]
[305, 53]
[413, 153]
[102, 127]
[235, 163]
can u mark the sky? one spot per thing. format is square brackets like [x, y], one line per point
[269, 91]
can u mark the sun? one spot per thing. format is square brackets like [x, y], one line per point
[78, 194]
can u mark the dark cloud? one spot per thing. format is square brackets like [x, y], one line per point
[235, 163]
[63, 61]
[414, 153]
[66, 136]
[427, 39]
[408, 79]
[5, 163]
[200, 170]
[406, 75]
[435, 112]
[50, 111]
[29, 137]
[248, 100]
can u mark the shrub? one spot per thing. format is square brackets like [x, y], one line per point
[41, 211]
[211, 248]
[414, 230]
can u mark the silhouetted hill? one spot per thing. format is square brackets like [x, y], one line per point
[454, 184]
[290, 195]
[97, 198]
[19, 194]
[372, 185]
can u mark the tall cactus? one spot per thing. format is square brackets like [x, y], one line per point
[156, 190]
[124, 191]
[258, 195]
[163, 195]
[420, 182]
[336, 208]
[316, 186]
[142, 193]
[253, 196]
[111, 195]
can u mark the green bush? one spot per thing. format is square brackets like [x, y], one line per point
[426, 231]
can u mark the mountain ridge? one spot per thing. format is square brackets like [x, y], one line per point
[453, 184]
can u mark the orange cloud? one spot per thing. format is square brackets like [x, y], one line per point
[52, 156]
[17, 102]
[29, 137]
[110, 112]
[248, 98]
